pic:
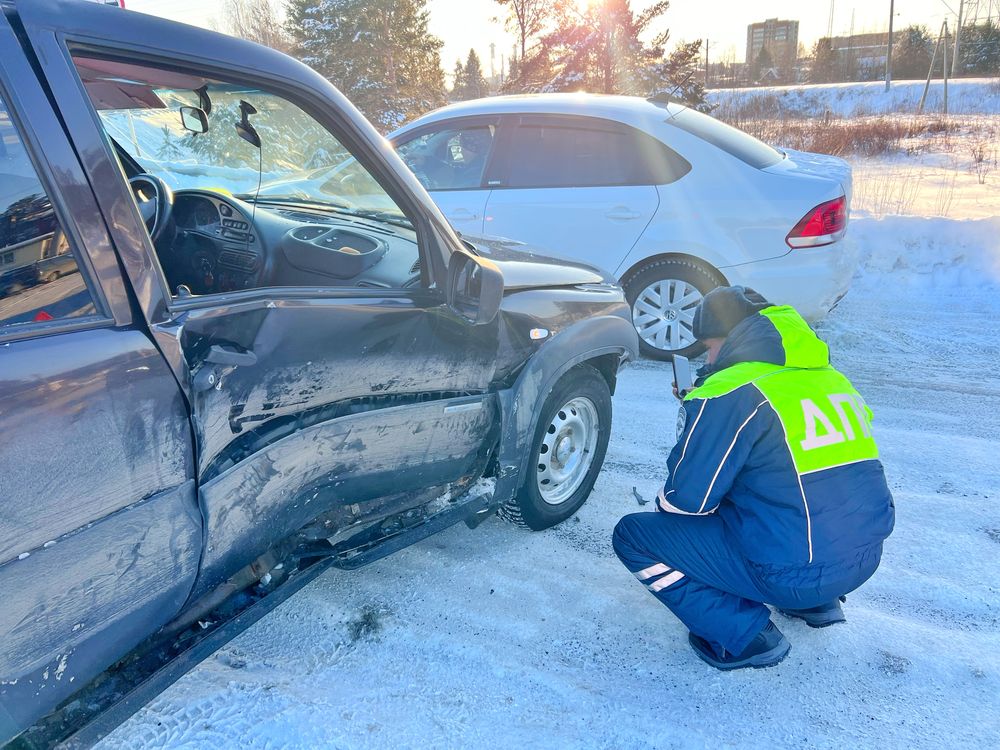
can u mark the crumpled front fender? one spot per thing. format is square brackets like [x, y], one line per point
[521, 405]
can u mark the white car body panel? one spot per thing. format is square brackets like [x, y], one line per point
[596, 225]
[725, 212]
[464, 209]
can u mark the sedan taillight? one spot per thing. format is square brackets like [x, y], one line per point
[823, 225]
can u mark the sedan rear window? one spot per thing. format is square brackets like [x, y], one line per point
[546, 156]
[734, 142]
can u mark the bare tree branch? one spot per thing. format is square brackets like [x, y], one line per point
[256, 20]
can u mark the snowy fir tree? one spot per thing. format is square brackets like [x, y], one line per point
[761, 65]
[600, 50]
[609, 48]
[912, 57]
[379, 53]
[469, 80]
[677, 77]
[824, 63]
[457, 74]
[979, 51]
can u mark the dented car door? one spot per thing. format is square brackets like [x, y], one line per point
[349, 401]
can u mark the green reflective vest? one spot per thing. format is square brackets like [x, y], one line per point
[826, 422]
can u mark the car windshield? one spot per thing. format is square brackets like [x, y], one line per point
[298, 159]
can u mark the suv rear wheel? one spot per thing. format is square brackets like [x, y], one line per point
[663, 295]
[567, 451]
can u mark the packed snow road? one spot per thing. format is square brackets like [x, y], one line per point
[499, 638]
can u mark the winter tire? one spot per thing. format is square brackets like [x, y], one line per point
[567, 451]
[663, 295]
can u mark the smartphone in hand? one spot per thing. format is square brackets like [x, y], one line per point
[682, 375]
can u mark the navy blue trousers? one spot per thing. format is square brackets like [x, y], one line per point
[690, 565]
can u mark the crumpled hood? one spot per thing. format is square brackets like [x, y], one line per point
[524, 268]
[777, 335]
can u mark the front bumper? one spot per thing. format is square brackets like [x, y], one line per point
[812, 280]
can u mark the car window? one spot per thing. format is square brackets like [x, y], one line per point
[567, 156]
[264, 195]
[450, 159]
[733, 141]
[39, 277]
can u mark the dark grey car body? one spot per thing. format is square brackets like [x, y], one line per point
[129, 499]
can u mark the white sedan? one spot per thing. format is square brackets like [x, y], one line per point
[669, 200]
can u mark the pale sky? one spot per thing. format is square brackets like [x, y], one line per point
[465, 24]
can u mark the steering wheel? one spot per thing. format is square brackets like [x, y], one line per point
[156, 203]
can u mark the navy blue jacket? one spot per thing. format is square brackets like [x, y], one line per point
[734, 457]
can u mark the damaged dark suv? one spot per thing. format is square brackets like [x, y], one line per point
[219, 375]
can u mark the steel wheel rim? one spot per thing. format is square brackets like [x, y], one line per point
[567, 450]
[663, 314]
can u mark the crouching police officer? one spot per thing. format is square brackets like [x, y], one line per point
[775, 492]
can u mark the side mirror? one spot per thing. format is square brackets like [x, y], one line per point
[475, 288]
[194, 119]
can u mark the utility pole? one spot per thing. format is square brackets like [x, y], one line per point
[706, 63]
[958, 36]
[829, 22]
[944, 47]
[888, 54]
[930, 71]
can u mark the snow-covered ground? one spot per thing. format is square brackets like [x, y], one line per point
[500, 638]
[965, 96]
[953, 173]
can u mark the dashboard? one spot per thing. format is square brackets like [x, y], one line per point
[214, 249]
[224, 244]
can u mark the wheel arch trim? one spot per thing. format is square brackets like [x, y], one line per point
[598, 341]
[674, 255]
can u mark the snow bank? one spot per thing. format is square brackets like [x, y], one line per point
[965, 96]
[935, 252]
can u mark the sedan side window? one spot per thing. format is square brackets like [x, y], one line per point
[450, 159]
[39, 277]
[566, 156]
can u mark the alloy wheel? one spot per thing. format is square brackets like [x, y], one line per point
[663, 314]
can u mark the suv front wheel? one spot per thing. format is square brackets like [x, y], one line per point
[567, 451]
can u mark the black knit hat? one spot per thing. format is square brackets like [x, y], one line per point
[723, 308]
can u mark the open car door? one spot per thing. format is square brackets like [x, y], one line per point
[316, 392]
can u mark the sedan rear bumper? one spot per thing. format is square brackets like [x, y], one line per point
[812, 280]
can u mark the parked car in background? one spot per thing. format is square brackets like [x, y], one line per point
[217, 392]
[669, 200]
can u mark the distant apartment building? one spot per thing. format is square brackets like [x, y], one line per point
[779, 38]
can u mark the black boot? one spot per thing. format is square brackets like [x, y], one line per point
[767, 648]
[819, 617]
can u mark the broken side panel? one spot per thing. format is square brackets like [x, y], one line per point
[336, 399]
[354, 464]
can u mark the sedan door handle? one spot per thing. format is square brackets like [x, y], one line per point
[622, 213]
[462, 214]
